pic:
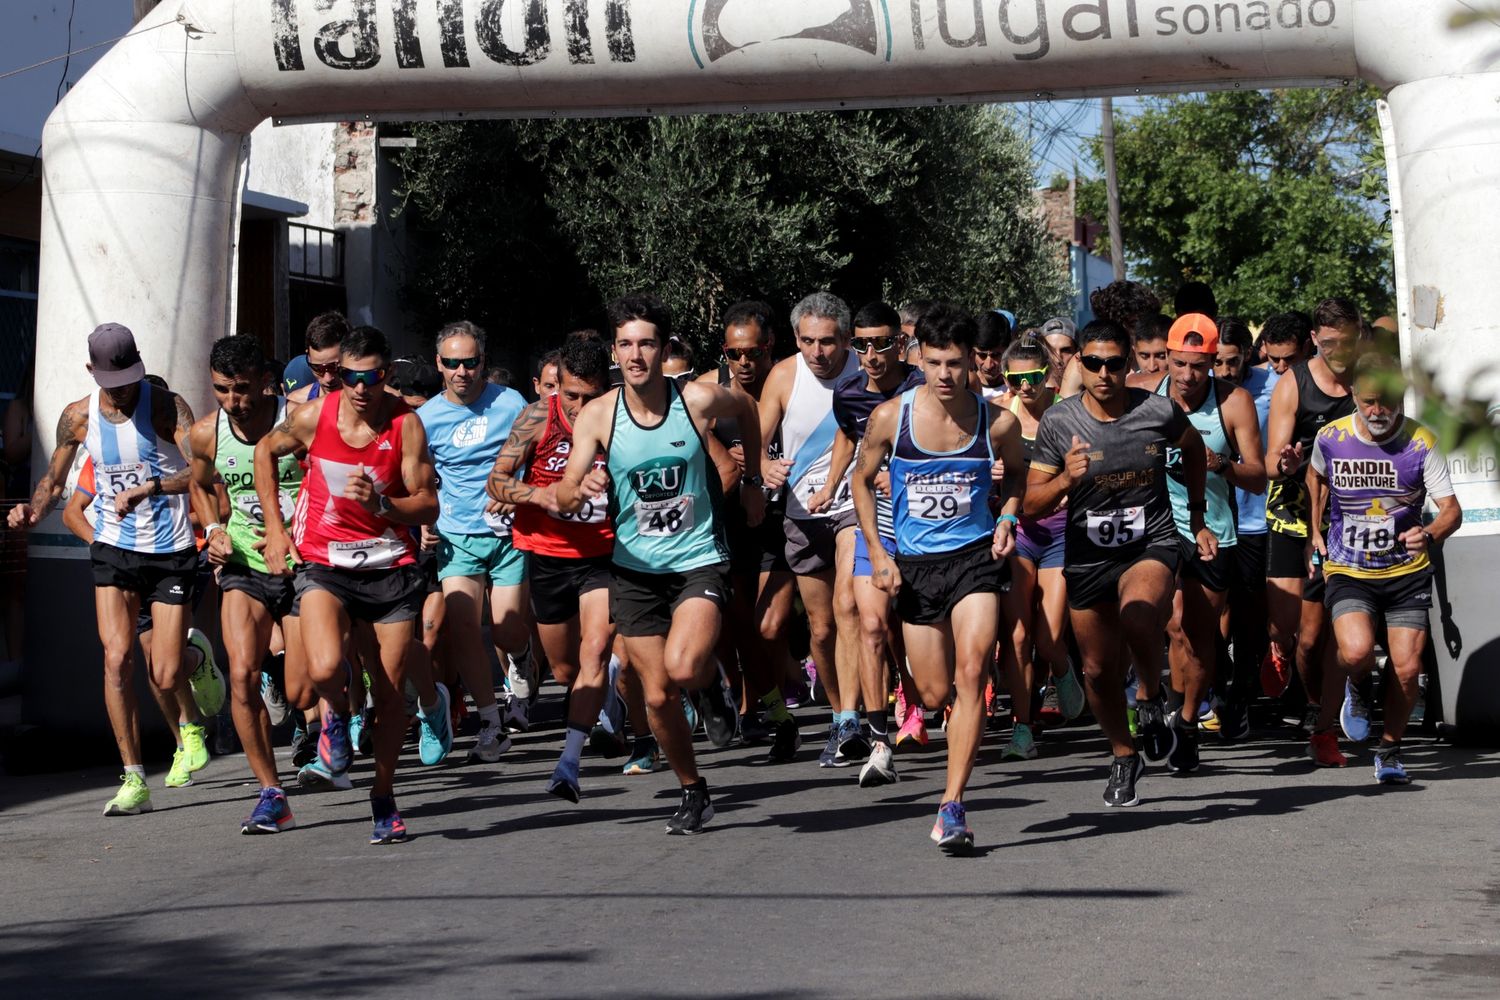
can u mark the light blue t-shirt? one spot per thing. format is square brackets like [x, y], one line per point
[1252, 507]
[464, 441]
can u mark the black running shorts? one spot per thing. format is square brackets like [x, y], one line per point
[1091, 584]
[1399, 601]
[642, 603]
[166, 578]
[1214, 574]
[377, 596]
[275, 592]
[558, 581]
[932, 586]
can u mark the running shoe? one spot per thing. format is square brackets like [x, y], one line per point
[606, 743]
[304, 743]
[564, 781]
[179, 776]
[913, 731]
[389, 829]
[1275, 672]
[491, 742]
[830, 755]
[273, 693]
[753, 728]
[689, 709]
[206, 680]
[1157, 736]
[854, 745]
[1419, 707]
[1051, 713]
[1354, 716]
[902, 705]
[645, 756]
[132, 799]
[880, 769]
[517, 713]
[1323, 750]
[270, 815]
[1070, 695]
[1209, 721]
[437, 738]
[786, 741]
[316, 778]
[519, 676]
[1183, 758]
[1310, 718]
[694, 813]
[1234, 721]
[335, 752]
[1133, 720]
[194, 746]
[951, 831]
[1124, 772]
[718, 716]
[1388, 769]
[360, 736]
[810, 671]
[1022, 745]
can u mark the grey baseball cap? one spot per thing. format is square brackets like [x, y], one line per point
[1060, 324]
[115, 360]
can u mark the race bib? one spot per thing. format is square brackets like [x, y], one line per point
[500, 524]
[367, 553]
[594, 511]
[1112, 528]
[939, 501]
[1370, 535]
[664, 518]
[810, 487]
[112, 479]
[249, 505]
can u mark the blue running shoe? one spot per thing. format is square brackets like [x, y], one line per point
[830, 755]
[437, 732]
[690, 710]
[854, 746]
[270, 815]
[315, 778]
[388, 826]
[645, 756]
[951, 831]
[1388, 769]
[1354, 716]
[335, 752]
[359, 735]
[564, 781]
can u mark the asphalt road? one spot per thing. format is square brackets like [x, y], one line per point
[1257, 876]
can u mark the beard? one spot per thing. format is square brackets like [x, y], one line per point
[1381, 426]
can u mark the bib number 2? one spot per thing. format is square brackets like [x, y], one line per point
[1111, 529]
[370, 553]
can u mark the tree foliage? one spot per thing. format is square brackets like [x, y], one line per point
[527, 227]
[1264, 195]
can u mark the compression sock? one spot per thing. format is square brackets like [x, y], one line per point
[775, 706]
[135, 769]
[573, 743]
[879, 726]
[489, 715]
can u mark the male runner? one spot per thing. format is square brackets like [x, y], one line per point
[466, 427]
[569, 554]
[989, 347]
[798, 401]
[369, 479]
[761, 604]
[136, 436]
[324, 335]
[669, 579]
[547, 377]
[1373, 471]
[1106, 452]
[1150, 346]
[254, 601]
[942, 440]
[1224, 417]
[1313, 394]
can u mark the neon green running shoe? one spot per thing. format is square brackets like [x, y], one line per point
[207, 681]
[180, 776]
[1130, 717]
[132, 799]
[194, 746]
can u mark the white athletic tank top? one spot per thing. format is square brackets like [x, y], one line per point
[126, 455]
[807, 430]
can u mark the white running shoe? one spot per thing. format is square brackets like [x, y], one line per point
[880, 769]
[492, 742]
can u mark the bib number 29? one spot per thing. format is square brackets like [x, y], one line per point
[1111, 529]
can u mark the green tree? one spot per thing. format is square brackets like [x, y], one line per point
[1264, 195]
[536, 224]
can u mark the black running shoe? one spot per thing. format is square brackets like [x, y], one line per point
[1184, 756]
[718, 717]
[854, 744]
[753, 728]
[694, 813]
[1157, 735]
[1234, 721]
[1123, 774]
[785, 741]
[305, 744]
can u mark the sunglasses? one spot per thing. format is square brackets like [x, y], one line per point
[1033, 376]
[1093, 363]
[328, 369]
[367, 376]
[864, 345]
[987, 355]
[745, 353]
[453, 364]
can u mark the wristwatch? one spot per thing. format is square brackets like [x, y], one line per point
[383, 505]
[155, 482]
[755, 481]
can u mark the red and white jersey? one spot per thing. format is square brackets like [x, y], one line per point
[583, 535]
[334, 531]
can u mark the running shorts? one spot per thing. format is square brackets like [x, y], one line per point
[557, 582]
[1091, 584]
[932, 586]
[377, 596]
[1401, 601]
[642, 604]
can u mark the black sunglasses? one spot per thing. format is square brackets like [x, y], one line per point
[1093, 363]
[453, 364]
[365, 376]
[745, 353]
[863, 345]
[328, 369]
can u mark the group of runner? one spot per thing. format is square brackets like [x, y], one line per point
[960, 509]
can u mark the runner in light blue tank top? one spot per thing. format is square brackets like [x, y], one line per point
[664, 498]
[1208, 420]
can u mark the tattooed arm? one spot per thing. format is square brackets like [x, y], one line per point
[72, 427]
[505, 485]
[171, 417]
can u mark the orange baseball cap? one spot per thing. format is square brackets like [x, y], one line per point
[1193, 323]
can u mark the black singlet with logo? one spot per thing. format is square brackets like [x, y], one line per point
[1286, 499]
[1121, 506]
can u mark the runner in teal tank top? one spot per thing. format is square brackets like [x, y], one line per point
[670, 582]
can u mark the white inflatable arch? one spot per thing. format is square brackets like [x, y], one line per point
[143, 158]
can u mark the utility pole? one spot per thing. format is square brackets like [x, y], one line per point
[1112, 186]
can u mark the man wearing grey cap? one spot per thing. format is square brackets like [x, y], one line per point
[143, 548]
